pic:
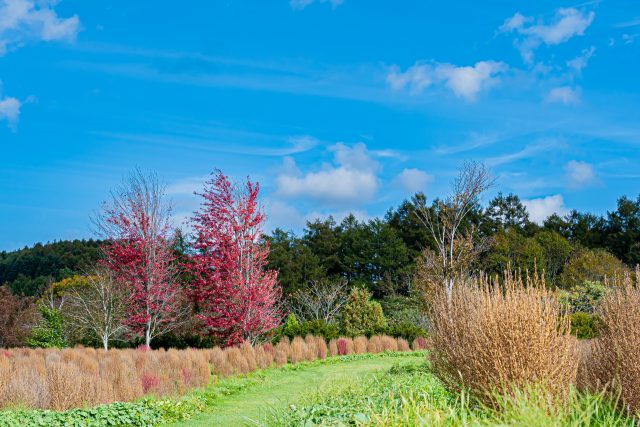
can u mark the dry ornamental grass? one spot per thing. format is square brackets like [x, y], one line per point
[611, 363]
[493, 336]
[72, 378]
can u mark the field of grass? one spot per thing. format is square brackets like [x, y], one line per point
[255, 397]
[408, 394]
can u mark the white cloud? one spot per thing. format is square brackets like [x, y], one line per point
[413, 180]
[356, 157]
[351, 180]
[10, 111]
[579, 174]
[529, 151]
[287, 217]
[301, 4]
[465, 82]
[187, 186]
[564, 95]
[25, 20]
[565, 24]
[581, 61]
[541, 208]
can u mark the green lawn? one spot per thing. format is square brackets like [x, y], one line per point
[279, 388]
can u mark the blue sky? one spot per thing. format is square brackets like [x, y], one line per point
[334, 106]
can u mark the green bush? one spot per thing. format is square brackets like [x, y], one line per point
[291, 328]
[403, 309]
[319, 328]
[585, 325]
[408, 331]
[361, 315]
[583, 297]
[50, 332]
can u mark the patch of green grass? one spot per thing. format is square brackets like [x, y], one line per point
[252, 397]
[410, 395]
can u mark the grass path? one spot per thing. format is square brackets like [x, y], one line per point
[283, 387]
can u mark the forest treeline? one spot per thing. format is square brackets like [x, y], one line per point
[381, 253]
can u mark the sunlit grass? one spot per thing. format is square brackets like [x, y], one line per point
[413, 396]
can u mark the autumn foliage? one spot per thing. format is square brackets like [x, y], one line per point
[234, 293]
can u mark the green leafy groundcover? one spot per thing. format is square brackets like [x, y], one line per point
[151, 411]
[147, 412]
[410, 395]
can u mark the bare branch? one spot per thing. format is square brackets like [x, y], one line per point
[319, 300]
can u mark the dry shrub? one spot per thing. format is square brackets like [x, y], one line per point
[70, 378]
[388, 343]
[264, 356]
[375, 345]
[403, 345]
[237, 360]
[611, 362]
[360, 345]
[250, 356]
[310, 351]
[333, 347]
[283, 348]
[345, 346]
[497, 337]
[298, 348]
[420, 343]
[220, 366]
[321, 346]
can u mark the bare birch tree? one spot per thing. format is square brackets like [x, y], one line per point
[99, 306]
[136, 225]
[455, 244]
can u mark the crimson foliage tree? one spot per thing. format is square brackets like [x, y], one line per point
[136, 225]
[235, 294]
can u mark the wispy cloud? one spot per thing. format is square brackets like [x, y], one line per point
[580, 62]
[626, 24]
[579, 174]
[413, 180]
[301, 4]
[222, 142]
[464, 81]
[564, 95]
[530, 150]
[22, 21]
[360, 82]
[564, 25]
[10, 111]
[474, 141]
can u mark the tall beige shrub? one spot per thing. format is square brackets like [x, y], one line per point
[612, 361]
[497, 335]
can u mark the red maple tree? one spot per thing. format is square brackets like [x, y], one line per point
[234, 292]
[136, 226]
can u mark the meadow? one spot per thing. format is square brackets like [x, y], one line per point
[499, 353]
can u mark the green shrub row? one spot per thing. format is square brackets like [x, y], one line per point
[292, 328]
